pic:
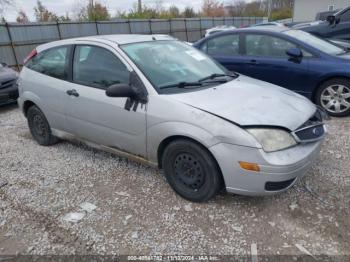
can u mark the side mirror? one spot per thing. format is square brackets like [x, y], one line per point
[294, 53]
[135, 91]
[120, 90]
[331, 19]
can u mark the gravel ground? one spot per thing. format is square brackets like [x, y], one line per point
[138, 213]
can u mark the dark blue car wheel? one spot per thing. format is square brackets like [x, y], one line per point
[334, 96]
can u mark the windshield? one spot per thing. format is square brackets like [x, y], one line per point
[167, 63]
[315, 42]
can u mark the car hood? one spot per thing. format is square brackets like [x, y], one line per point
[250, 102]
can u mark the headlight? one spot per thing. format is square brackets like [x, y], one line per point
[272, 139]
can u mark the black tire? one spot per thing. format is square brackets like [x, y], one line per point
[191, 171]
[336, 98]
[39, 127]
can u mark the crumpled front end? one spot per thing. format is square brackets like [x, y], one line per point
[276, 171]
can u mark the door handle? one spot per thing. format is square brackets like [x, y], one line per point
[72, 92]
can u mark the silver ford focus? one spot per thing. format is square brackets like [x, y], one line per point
[160, 101]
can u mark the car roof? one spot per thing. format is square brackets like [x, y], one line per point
[266, 28]
[257, 29]
[119, 39]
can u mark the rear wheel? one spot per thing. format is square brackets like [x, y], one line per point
[39, 127]
[191, 171]
[334, 96]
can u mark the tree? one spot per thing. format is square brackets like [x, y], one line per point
[236, 8]
[64, 18]
[213, 8]
[174, 11]
[278, 9]
[92, 12]
[253, 9]
[97, 12]
[22, 17]
[42, 14]
[189, 12]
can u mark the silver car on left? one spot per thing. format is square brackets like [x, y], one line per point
[162, 102]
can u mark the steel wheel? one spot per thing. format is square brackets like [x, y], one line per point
[39, 126]
[336, 98]
[188, 172]
[191, 170]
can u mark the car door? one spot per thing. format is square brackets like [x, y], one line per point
[226, 50]
[51, 83]
[266, 59]
[92, 115]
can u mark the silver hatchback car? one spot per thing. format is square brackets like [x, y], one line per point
[162, 102]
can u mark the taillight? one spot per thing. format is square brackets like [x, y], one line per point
[30, 56]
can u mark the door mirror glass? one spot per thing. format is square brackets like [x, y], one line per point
[331, 19]
[120, 90]
[294, 52]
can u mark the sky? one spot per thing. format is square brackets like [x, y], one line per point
[61, 7]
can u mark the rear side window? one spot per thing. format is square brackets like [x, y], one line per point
[265, 45]
[52, 62]
[223, 45]
[97, 67]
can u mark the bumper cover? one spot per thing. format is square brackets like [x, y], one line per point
[281, 169]
[8, 94]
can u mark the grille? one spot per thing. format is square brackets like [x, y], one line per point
[310, 133]
[276, 186]
[311, 130]
[7, 84]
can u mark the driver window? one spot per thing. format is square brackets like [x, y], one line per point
[265, 45]
[97, 67]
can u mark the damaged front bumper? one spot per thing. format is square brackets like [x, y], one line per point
[278, 170]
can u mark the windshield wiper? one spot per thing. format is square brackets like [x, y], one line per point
[213, 76]
[181, 85]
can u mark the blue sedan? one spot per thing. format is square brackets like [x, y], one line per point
[294, 59]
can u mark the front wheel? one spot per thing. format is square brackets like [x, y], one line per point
[191, 171]
[334, 97]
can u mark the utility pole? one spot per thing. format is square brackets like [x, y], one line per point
[269, 7]
[139, 6]
[91, 9]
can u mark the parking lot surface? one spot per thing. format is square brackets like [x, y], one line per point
[125, 208]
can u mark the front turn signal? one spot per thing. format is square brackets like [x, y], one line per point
[249, 166]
